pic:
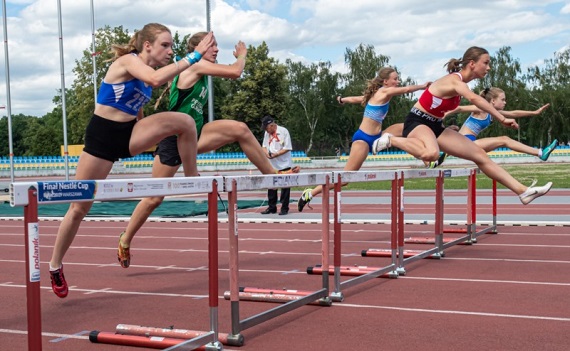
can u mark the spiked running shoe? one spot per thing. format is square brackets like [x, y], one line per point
[58, 283]
[548, 150]
[439, 162]
[295, 169]
[381, 143]
[123, 254]
[304, 200]
[533, 192]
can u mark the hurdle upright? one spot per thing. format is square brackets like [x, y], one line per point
[291, 300]
[30, 194]
[361, 274]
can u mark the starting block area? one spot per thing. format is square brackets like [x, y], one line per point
[396, 254]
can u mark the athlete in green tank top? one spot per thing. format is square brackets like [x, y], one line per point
[190, 101]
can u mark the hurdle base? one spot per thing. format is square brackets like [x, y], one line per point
[348, 271]
[388, 253]
[235, 340]
[431, 240]
[99, 337]
[216, 346]
[393, 274]
[337, 296]
[401, 271]
[276, 298]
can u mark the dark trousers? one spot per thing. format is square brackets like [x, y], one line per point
[272, 199]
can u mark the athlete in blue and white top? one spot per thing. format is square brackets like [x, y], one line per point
[117, 128]
[376, 101]
[479, 120]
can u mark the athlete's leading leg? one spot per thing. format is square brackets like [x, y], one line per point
[457, 145]
[218, 133]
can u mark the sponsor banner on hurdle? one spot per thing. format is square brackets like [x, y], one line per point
[270, 181]
[460, 172]
[34, 252]
[110, 189]
[364, 176]
[420, 173]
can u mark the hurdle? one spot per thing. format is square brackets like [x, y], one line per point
[290, 300]
[361, 273]
[412, 255]
[471, 218]
[437, 251]
[31, 194]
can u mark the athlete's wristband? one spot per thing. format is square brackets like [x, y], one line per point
[193, 57]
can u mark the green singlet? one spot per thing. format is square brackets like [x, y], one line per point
[190, 101]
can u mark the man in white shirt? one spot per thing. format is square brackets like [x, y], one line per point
[277, 147]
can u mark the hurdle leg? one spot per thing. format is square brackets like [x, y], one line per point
[400, 221]
[439, 210]
[32, 248]
[394, 203]
[213, 266]
[472, 208]
[326, 300]
[337, 295]
[494, 229]
[234, 262]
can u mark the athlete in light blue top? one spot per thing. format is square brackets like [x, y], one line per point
[479, 121]
[376, 101]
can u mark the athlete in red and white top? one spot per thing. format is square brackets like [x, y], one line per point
[424, 133]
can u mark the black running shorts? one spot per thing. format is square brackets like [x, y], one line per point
[108, 139]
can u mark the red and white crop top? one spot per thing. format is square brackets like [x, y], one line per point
[437, 106]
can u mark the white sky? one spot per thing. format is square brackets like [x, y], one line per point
[419, 36]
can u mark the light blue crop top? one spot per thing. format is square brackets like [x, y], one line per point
[128, 96]
[376, 112]
[477, 125]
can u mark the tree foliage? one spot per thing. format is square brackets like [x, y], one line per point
[260, 91]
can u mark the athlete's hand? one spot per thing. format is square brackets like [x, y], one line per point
[205, 43]
[240, 50]
[509, 122]
[539, 111]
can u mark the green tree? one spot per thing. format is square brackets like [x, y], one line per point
[551, 83]
[312, 91]
[260, 91]
[20, 126]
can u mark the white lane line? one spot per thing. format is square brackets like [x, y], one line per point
[466, 313]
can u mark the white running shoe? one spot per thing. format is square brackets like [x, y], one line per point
[381, 143]
[533, 192]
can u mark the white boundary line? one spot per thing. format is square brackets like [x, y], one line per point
[306, 221]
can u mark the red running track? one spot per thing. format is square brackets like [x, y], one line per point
[509, 291]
